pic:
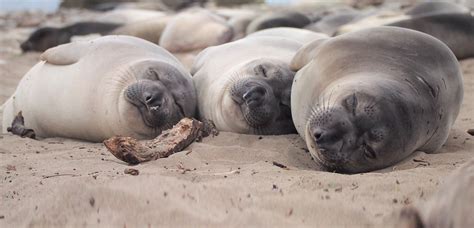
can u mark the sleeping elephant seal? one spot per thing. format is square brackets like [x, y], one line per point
[435, 7]
[329, 24]
[48, 37]
[301, 35]
[239, 25]
[249, 91]
[379, 18]
[278, 19]
[113, 85]
[455, 30]
[368, 99]
[149, 29]
[195, 29]
[125, 16]
[451, 206]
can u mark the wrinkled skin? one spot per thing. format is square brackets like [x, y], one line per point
[263, 96]
[155, 99]
[356, 132]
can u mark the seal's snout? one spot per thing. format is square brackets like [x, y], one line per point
[323, 137]
[152, 100]
[329, 142]
[25, 46]
[331, 132]
[254, 96]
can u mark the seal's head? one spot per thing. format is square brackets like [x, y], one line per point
[261, 91]
[44, 38]
[358, 132]
[161, 94]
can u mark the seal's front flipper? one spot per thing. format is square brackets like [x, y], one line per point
[306, 54]
[65, 54]
[18, 127]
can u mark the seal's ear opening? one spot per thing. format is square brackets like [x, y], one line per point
[409, 217]
[306, 54]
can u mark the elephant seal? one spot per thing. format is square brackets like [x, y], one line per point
[451, 206]
[239, 25]
[195, 29]
[124, 16]
[368, 99]
[301, 35]
[249, 91]
[455, 30]
[278, 19]
[379, 18]
[149, 29]
[47, 37]
[435, 7]
[113, 85]
[329, 24]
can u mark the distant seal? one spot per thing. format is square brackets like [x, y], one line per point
[148, 29]
[47, 37]
[435, 7]
[301, 35]
[195, 29]
[455, 30]
[450, 206]
[278, 19]
[124, 16]
[239, 25]
[366, 100]
[379, 18]
[238, 19]
[247, 92]
[113, 85]
[329, 24]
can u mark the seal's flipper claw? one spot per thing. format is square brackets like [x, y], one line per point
[18, 127]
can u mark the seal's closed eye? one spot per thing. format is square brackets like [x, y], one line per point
[350, 103]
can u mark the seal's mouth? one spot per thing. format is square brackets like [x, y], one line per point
[153, 117]
[151, 101]
[329, 159]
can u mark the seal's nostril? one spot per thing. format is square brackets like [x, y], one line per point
[318, 135]
[246, 95]
[254, 95]
[148, 97]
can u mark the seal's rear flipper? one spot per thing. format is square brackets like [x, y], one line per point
[409, 217]
[18, 127]
[65, 54]
[306, 54]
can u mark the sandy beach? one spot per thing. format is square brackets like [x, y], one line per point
[230, 180]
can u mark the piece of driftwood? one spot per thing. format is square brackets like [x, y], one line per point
[18, 127]
[133, 172]
[167, 143]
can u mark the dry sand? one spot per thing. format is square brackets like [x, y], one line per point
[225, 181]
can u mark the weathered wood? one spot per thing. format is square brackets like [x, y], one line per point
[167, 143]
